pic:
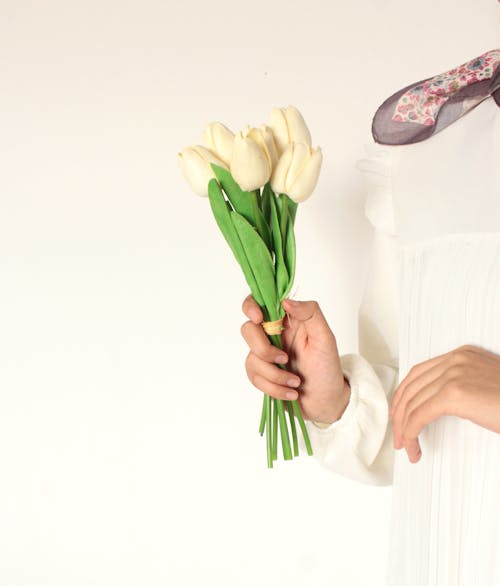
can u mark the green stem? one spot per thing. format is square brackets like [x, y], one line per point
[285, 438]
[267, 403]
[262, 425]
[298, 414]
[275, 429]
[289, 409]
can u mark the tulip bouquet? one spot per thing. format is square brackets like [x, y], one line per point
[254, 181]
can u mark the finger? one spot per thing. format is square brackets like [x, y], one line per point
[413, 388]
[265, 381]
[406, 407]
[255, 366]
[428, 411]
[260, 345]
[414, 451]
[479, 350]
[252, 310]
[311, 316]
[458, 354]
[274, 390]
[414, 372]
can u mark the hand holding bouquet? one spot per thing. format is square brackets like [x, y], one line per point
[254, 181]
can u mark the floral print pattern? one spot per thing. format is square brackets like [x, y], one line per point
[421, 103]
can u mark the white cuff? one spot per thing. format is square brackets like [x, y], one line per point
[351, 444]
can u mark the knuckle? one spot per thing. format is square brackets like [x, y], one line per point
[279, 392]
[467, 348]
[466, 352]
[314, 305]
[273, 390]
[246, 303]
[264, 351]
[311, 306]
[412, 405]
[406, 435]
[414, 419]
[256, 380]
[281, 377]
[459, 356]
[244, 328]
[248, 363]
[452, 390]
[414, 370]
[455, 372]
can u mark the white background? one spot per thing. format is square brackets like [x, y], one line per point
[129, 452]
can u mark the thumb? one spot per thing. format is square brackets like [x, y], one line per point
[311, 316]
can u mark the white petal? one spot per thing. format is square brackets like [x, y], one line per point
[297, 127]
[249, 165]
[196, 170]
[306, 181]
[208, 156]
[219, 139]
[301, 154]
[278, 179]
[270, 143]
[279, 126]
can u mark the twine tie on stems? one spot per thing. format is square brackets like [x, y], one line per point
[273, 328]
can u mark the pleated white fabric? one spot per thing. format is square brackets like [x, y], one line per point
[434, 286]
[446, 508]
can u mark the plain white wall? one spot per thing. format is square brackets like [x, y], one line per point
[129, 451]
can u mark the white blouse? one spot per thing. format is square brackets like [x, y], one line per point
[434, 285]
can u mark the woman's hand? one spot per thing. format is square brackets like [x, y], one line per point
[464, 382]
[314, 374]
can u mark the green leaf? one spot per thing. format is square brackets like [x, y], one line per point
[292, 209]
[223, 218]
[284, 215]
[246, 203]
[260, 261]
[286, 203]
[267, 194]
[290, 258]
[281, 270]
[261, 225]
[242, 201]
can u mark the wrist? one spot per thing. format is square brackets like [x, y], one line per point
[342, 403]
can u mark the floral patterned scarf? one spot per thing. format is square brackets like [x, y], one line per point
[421, 109]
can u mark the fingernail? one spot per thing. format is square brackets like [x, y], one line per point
[292, 302]
[293, 382]
[291, 395]
[281, 358]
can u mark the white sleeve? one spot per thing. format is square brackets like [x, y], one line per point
[359, 444]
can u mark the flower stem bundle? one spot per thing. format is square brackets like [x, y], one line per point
[254, 182]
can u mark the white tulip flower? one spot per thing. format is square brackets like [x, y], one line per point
[297, 171]
[288, 126]
[219, 139]
[254, 155]
[195, 166]
[264, 137]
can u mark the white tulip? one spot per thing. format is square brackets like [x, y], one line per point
[288, 126]
[254, 154]
[219, 139]
[297, 171]
[264, 137]
[195, 166]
